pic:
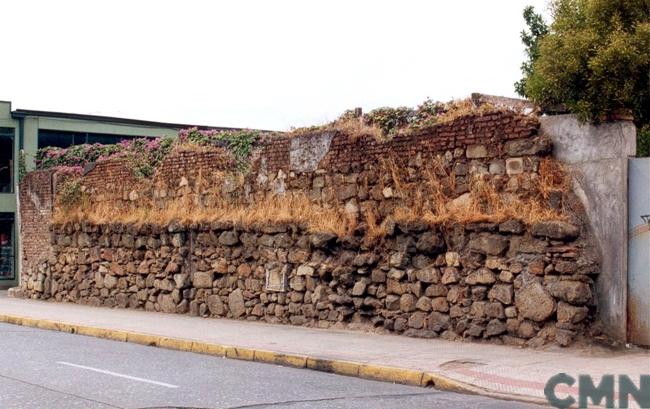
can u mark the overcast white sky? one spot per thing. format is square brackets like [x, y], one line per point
[259, 64]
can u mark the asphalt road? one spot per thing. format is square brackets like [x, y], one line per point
[48, 369]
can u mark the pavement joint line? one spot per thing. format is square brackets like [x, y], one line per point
[374, 372]
[331, 399]
[36, 385]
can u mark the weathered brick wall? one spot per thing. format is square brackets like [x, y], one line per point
[114, 179]
[191, 163]
[274, 153]
[490, 130]
[110, 176]
[334, 168]
[36, 202]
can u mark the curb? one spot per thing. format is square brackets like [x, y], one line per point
[340, 367]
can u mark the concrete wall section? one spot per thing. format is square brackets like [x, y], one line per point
[5, 110]
[638, 309]
[597, 158]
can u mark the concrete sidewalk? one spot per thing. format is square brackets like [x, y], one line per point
[493, 370]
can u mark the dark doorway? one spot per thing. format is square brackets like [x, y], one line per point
[6, 160]
[7, 238]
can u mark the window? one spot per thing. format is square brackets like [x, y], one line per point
[105, 139]
[65, 139]
[7, 246]
[55, 138]
[6, 160]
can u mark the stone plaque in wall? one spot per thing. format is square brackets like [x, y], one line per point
[276, 279]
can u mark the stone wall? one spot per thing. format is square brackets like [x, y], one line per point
[502, 282]
[506, 282]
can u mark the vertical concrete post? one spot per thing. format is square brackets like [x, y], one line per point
[597, 158]
[638, 301]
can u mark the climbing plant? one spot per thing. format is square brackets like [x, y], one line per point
[239, 143]
[144, 154]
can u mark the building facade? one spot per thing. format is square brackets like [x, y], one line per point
[23, 132]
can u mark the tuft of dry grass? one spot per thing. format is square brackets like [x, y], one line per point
[463, 107]
[354, 128]
[552, 177]
[374, 228]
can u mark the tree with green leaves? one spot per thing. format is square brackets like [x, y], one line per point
[594, 59]
[537, 29]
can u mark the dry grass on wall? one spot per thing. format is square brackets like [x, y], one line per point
[290, 208]
[433, 203]
[429, 199]
[354, 128]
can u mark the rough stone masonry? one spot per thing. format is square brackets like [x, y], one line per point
[502, 282]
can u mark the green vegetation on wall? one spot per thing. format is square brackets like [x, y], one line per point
[22, 164]
[144, 154]
[239, 143]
